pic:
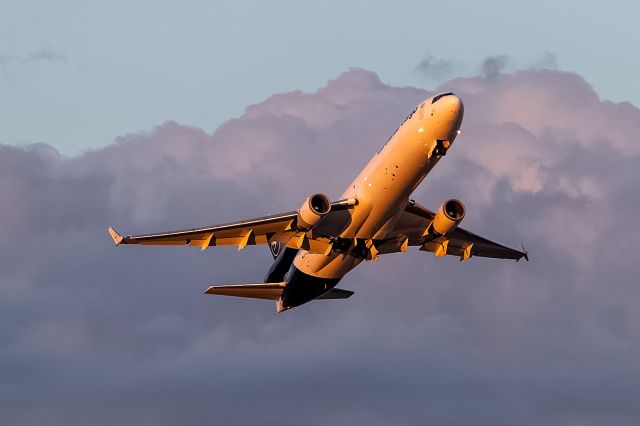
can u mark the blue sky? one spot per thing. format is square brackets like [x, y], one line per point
[78, 74]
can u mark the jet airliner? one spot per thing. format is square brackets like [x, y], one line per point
[315, 246]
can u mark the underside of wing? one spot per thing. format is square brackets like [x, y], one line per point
[416, 220]
[466, 244]
[241, 234]
[282, 228]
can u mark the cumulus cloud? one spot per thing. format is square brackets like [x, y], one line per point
[97, 334]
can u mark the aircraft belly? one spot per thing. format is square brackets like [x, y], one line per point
[302, 288]
[335, 265]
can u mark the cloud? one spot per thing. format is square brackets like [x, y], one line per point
[99, 334]
[493, 65]
[435, 69]
[545, 60]
[441, 69]
[46, 54]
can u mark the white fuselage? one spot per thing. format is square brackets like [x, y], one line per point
[383, 187]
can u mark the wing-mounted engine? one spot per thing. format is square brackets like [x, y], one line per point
[435, 238]
[448, 217]
[314, 208]
[445, 221]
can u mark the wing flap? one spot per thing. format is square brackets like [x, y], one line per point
[460, 239]
[416, 219]
[226, 234]
[262, 230]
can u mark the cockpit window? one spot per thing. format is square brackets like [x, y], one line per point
[440, 96]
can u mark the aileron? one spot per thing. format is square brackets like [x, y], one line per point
[416, 222]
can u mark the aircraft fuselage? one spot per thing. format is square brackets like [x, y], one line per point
[382, 189]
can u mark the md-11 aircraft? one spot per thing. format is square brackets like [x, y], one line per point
[315, 246]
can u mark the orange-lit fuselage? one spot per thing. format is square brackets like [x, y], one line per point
[383, 187]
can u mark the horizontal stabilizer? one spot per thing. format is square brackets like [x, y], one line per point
[268, 291]
[336, 293]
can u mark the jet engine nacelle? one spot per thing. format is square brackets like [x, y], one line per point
[448, 217]
[312, 210]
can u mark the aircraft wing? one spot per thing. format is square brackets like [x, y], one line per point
[460, 242]
[264, 230]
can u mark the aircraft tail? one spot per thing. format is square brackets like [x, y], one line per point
[269, 291]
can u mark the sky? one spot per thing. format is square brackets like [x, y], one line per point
[78, 74]
[548, 156]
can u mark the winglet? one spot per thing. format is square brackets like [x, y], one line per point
[117, 238]
[526, 253]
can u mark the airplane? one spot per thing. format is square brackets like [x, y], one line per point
[315, 246]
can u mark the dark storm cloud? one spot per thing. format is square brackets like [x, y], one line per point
[96, 334]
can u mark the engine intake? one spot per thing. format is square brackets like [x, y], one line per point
[312, 210]
[448, 217]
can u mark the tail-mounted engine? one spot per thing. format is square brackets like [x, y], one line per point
[448, 217]
[312, 210]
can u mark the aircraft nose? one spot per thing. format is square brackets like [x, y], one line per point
[454, 110]
[447, 103]
[449, 110]
[455, 102]
[451, 104]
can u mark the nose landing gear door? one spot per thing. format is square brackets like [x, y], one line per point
[440, 148]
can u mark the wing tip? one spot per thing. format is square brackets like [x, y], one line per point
[117, 238]
[525, 253]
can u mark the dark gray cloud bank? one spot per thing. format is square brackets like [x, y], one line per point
[94, 334]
